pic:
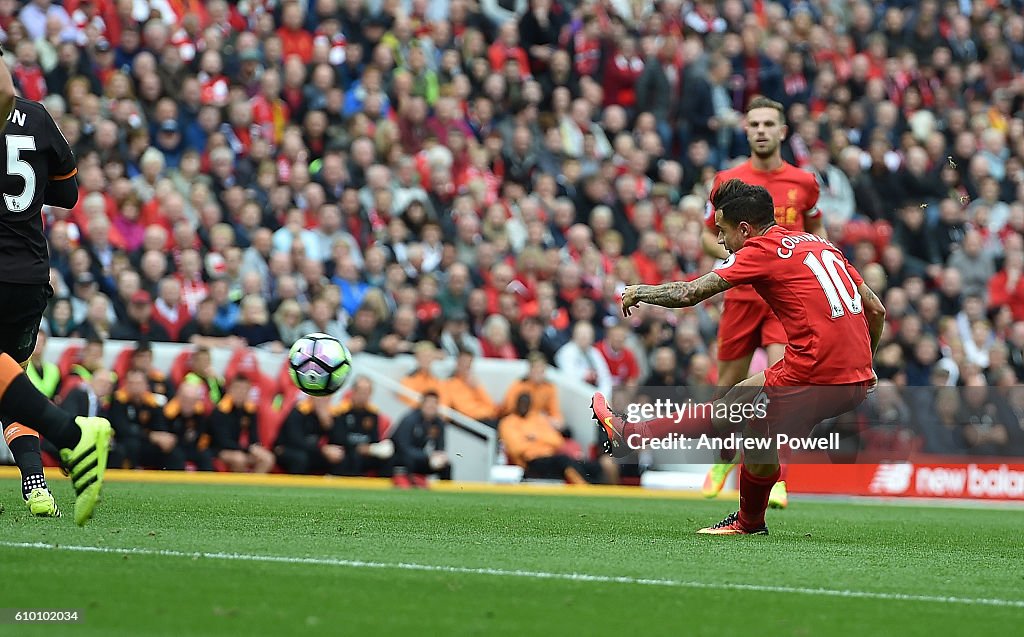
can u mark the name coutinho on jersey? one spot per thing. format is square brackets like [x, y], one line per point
[791, 241]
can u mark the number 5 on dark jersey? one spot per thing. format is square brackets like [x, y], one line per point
[38, 168]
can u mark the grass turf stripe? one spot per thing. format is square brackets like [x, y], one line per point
[495, 572]
[523, 488]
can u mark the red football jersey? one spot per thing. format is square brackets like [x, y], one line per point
[813, 290]
[794, 192]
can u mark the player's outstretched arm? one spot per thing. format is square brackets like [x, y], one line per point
[6, 94]
[675, 294]
[875, 313]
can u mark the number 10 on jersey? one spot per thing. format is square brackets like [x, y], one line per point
[832, 275]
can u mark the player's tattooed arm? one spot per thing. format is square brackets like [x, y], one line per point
[875, 313]
[675, 294]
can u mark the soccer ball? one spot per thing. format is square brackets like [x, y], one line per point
[319, 364]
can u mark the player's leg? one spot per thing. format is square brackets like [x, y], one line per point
[792, 410]
[739, 335]
[759, 471]
[24, 445]
[175, 459]
[236, 460]
[202, 459]
[295, 461]
[18, 337]
[559, 467]
[262, 460]
[608, 469]
[730, 372]
[620, 436]
[775, 346]
[83, 442]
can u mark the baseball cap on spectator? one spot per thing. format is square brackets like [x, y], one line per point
[141, 297]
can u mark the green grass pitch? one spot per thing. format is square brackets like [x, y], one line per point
[374, 558]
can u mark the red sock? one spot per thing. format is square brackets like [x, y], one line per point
[754, 492]
[694, 422]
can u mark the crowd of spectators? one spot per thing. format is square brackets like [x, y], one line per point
[487, 175]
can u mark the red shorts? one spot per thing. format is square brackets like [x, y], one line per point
[795, 407]
[746, 325]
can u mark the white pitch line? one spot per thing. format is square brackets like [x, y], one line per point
[496, 572]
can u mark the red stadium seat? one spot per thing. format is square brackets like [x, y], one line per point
[244, 361]
[266, 388]
[270, 419]
[123, 361]
[67, 383]
[68, 358]
[285, 386]
[384, 427]
[180, 366]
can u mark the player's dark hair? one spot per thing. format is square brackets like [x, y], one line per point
[742, 202]
[760, 101]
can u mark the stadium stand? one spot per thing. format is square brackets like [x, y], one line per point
[451, 171]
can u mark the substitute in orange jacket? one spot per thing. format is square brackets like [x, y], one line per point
[421, 379]
[543, 393]
[533, 444]
[463, 393]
